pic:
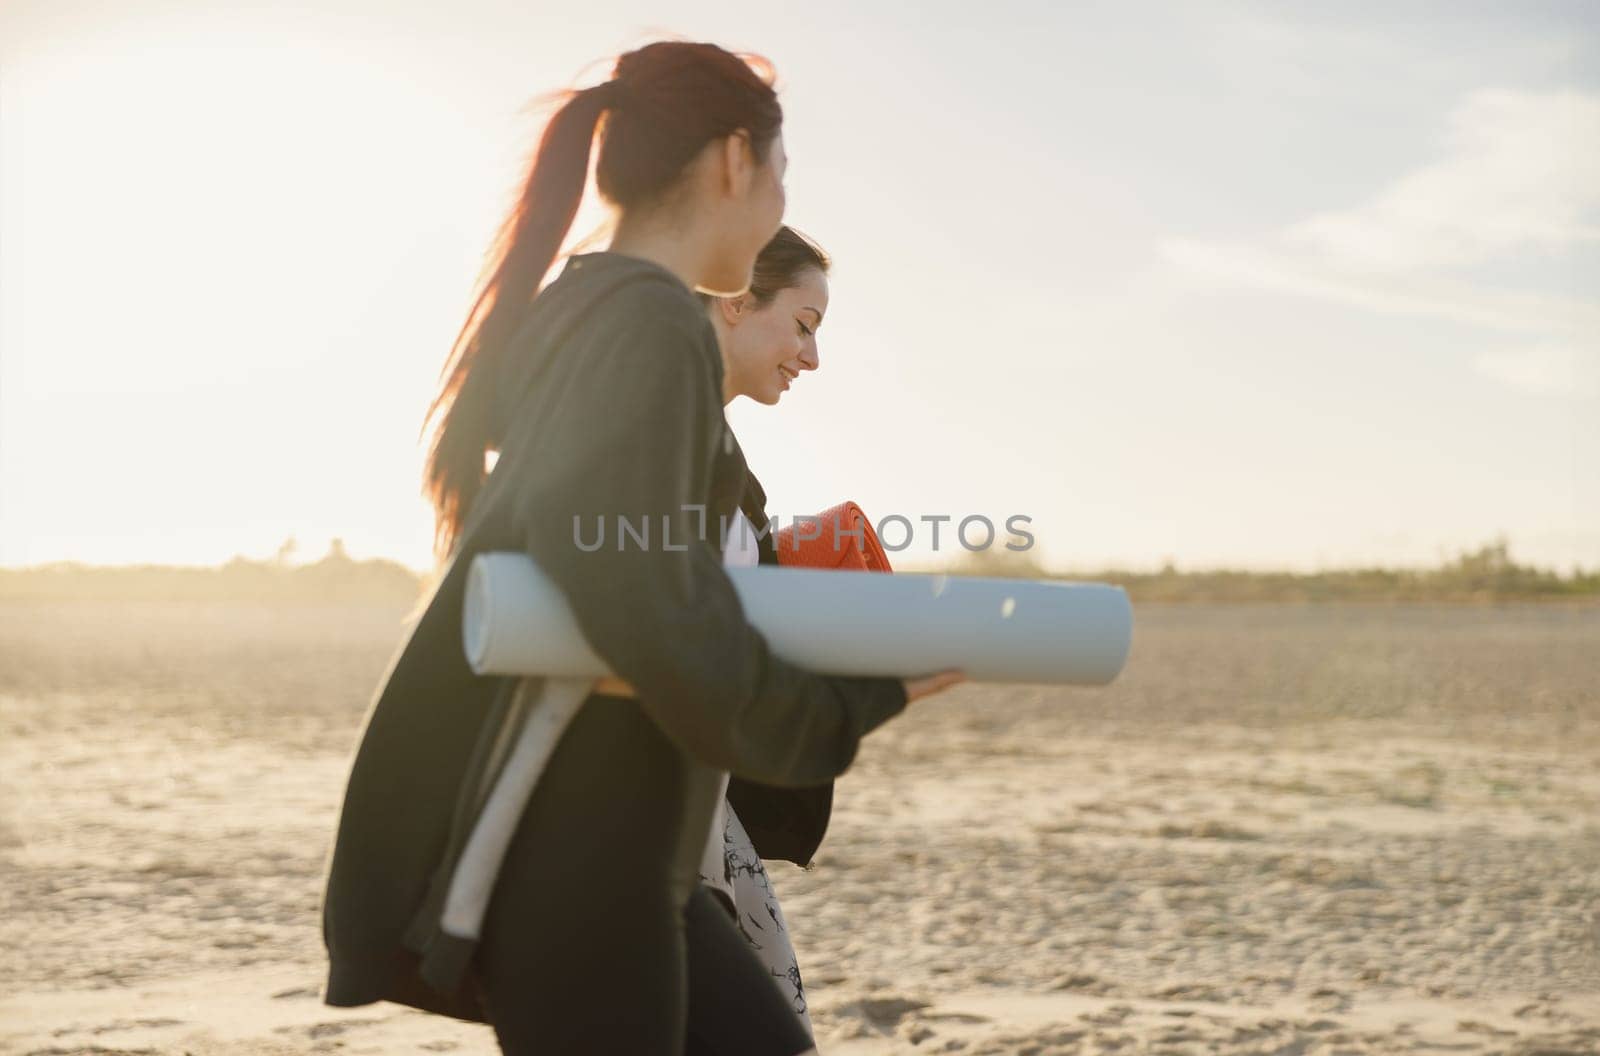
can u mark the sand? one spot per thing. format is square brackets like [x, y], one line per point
[1290, 830]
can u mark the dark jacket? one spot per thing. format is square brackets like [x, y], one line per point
[613, 409]
[784, 824]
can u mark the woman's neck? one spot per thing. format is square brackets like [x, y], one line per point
[661, 242]
[658, 240]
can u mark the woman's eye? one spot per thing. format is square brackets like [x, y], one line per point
[805, 330]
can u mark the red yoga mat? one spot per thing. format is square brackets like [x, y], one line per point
[839, 537]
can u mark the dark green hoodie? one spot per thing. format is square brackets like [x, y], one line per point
[613, 408]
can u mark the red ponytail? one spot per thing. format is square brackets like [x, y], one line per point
[666, 101]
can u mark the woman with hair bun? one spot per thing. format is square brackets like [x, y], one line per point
[601, 395]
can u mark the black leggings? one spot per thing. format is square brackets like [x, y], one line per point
[599, 937]
[734, 1005]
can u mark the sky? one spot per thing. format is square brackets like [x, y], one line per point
[1251, 285]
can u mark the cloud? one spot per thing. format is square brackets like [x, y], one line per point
[1522, 172]
[1398, 293]
[1519, 176]
[1544, 370]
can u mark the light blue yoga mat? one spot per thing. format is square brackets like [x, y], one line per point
[517, 622]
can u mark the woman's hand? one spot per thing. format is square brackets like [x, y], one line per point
[613, 687]
[928, 685]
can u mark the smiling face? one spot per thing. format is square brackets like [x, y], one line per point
[765, 347]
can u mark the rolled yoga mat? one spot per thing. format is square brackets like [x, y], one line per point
[517, 622]
[840, 537]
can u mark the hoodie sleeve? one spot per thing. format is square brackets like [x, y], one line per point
[633, 441]
[782, 823]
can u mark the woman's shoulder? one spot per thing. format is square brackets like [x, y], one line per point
[651, 327]
[636, 293]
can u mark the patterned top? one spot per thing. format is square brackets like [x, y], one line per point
[732, 868]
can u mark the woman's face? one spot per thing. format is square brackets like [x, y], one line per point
[766, 347]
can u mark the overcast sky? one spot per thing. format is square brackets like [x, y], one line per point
[1225, 284]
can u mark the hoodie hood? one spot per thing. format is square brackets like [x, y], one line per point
[585, 280]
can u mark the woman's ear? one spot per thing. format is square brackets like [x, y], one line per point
[738, 162]
[733, 309]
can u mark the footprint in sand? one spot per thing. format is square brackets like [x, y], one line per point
[118, 1025]
[296, 991]
[1329, 1000]
[332, 1029]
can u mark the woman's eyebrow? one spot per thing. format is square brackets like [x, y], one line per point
[813, 311]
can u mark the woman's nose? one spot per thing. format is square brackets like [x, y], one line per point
[809, 359]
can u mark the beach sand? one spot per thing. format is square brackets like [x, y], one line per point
[1287, 829]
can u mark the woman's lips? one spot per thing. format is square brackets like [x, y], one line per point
[787, 375]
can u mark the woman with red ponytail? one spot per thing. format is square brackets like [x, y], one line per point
[601, 395]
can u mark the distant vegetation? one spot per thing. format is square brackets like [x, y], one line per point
[1484, 575]
[335, 578]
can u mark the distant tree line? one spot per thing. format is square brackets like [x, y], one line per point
[1483, 575]
[1486, 574]
[336, 577]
